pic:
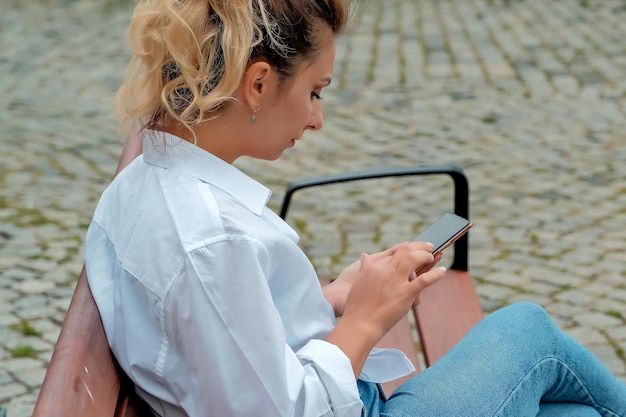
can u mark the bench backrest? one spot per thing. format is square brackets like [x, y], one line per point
[83, 378]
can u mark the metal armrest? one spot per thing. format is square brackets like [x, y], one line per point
[461, 195]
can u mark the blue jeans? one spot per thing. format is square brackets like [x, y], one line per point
[514, 363]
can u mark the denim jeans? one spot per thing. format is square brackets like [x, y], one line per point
[515, 363]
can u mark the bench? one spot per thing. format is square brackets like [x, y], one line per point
[83, 378]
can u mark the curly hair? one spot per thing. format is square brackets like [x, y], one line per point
[188, 56]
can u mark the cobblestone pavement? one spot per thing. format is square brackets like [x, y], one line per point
[528, 97]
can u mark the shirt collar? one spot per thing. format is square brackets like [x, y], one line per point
[171, 152]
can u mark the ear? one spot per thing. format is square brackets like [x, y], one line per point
[257, 83]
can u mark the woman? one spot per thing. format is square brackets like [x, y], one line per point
[207, 301]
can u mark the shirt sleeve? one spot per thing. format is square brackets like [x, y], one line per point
[224, 346]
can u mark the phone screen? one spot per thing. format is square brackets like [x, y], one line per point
[444, 231]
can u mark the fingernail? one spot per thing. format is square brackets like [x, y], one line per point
[443, 269]
[412, 276]
[430, 245]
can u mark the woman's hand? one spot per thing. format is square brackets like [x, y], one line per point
[386, 288]
[380, 293]
[337, 291]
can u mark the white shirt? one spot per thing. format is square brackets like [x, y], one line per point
[207, 301]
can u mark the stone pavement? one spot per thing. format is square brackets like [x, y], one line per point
[528, 97]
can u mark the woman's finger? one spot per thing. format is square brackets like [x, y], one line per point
[411, 260]
[428, 278]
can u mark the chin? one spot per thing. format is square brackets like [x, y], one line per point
[275, 157]
[269, 157]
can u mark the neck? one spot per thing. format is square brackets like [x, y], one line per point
[213, 136]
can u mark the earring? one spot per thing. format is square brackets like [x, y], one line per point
[253, 118]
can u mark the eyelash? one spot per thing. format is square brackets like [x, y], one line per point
[316, 96]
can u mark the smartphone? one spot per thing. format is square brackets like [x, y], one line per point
[444, 231]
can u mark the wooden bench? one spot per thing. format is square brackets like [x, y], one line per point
[83, 378]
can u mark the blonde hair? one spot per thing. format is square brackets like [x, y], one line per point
[188, 56]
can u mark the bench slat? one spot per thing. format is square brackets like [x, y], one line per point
[447, 310]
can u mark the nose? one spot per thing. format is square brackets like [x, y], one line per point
[316, 121]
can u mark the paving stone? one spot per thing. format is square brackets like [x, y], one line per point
[21, 406]
[37, 343]
[587, 336]
[37, 312]
[5, 377]
[598, 320]
[34, 286]
[32, 378]
[11, 390]
[609, 358]
[618, 334]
